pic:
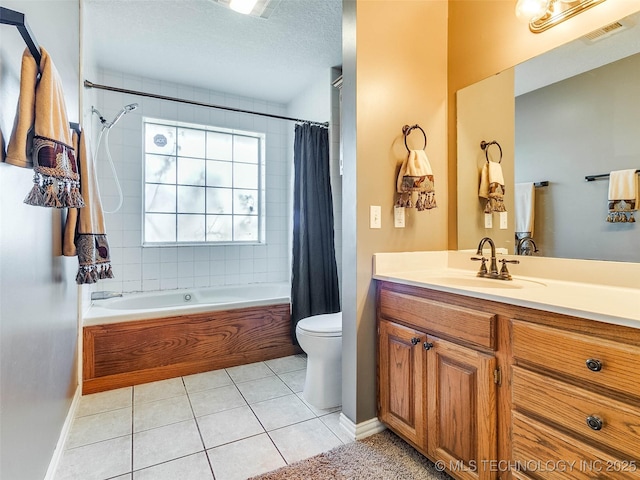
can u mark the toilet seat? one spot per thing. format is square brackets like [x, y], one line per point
[326, 325]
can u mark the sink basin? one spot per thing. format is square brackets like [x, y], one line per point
[480, 282]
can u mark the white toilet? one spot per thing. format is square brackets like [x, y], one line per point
[320, 336]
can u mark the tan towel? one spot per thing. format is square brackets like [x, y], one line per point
[41, 138]
[525, 197]
[84, 232]
[492, 187]
[624, 196]
[416, 176]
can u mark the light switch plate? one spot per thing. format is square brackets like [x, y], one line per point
[488, 220]
[503, 221]
[398, 217]
[375, 212]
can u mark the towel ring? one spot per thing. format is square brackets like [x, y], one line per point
[406, 130]
[485, 146]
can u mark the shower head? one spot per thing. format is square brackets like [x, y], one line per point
[125, 109]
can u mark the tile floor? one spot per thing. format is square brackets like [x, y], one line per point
[225, 424]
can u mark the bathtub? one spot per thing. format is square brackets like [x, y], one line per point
[145, 337]
[139, 306]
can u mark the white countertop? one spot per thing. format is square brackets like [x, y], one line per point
[615, 304]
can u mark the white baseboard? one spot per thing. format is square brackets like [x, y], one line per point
[361, 430]
[64, 434]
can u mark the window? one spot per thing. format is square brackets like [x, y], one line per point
[202, 185]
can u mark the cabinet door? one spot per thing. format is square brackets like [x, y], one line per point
[401, 387]
[462, 409]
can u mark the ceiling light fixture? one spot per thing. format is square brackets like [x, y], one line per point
[544, 14]
[254, 8]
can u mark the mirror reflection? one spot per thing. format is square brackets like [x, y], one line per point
[575, 113]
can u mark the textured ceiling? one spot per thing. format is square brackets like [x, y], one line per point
[203, 44]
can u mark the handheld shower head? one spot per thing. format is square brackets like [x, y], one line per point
[125, 109]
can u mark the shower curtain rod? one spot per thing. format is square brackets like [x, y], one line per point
[89, 84]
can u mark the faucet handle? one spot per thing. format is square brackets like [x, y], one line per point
[504, 272]
[483, 266]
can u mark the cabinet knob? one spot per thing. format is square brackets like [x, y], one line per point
[415, 340]
[595, 423]
[427, 345]
[594, 365]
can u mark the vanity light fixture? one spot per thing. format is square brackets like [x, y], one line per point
[255, 8]
[544, 14]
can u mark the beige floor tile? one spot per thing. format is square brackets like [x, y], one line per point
[252, 371]
[149, 392]
[165, 443]
[245, 458]
[104, 401]
[287, 364]
[99, 427]
[96, 461]
[282, 411]
[294, 380]
[192, 467]
[216, 400]
[228, 426]
[304, 440]
[263, 389]
[206, 380]
[161, 412]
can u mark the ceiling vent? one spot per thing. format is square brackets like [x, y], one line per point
[606, 31]
[256, 8]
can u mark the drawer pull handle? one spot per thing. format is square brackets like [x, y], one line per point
[595, 423]
[415, 340]
[427, 345]
[594, 365]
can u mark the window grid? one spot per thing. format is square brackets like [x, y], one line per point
[208, 158]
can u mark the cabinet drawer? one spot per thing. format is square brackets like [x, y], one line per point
[549, 454]
[569, 407]
[615, 364]
[441, 319]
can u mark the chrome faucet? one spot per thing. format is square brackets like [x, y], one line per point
[104, 295]
[492, 272]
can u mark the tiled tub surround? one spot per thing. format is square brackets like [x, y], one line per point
[231, 423]
[139, 268]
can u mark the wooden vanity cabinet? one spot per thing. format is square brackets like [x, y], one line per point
[436, 379]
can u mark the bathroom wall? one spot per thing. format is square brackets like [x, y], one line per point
[161, 268]
[38, 321]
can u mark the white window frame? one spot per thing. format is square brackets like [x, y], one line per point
[261, 207]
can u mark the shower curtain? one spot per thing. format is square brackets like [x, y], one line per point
[314, 288]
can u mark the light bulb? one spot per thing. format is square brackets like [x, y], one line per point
[531, 10]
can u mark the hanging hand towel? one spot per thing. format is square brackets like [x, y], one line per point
[416, 176]
[41, 138]
[524, 208]
[492, 187]
[623, 196]
[84, 232]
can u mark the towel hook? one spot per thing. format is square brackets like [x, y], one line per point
[485, 146]
[406, 130]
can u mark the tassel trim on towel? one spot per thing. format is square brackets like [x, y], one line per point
[426, 195]
[93, 257]
[621, 211]
[56, 182]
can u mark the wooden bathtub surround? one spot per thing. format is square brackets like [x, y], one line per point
[487, 387]
[118, 355]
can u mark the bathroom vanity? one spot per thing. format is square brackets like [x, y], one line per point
[492, 381]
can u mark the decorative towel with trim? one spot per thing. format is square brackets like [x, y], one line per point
[84, 232]
[41, 138]
[525, 197]
[492, 187]
[624, 197]
[416, 176]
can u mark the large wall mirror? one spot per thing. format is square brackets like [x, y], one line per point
[564, 115]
